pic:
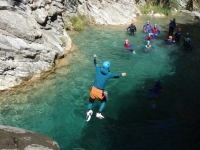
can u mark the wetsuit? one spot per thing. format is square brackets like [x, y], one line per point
[172, 26]
[97, 91]
[155, 32]
[188, 45]
[169, 41]
[132, 29]
[128, 47]
[178, 36]
[147, 48]
[147, 28]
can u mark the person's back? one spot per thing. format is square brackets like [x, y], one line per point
[172, 26]
[98, 89]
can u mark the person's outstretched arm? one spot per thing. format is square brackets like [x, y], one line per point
[118, 75]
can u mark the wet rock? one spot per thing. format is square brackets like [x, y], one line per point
[16, 138]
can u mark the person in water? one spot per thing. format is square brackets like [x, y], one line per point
[155, 90]
[131, 29]
[129, 46]
[170, 41]
[177, 35]
[185, 38]
[155, 31]
[149, 36]
[188, 44]
[172, 26]
[147, 47]
[147, 27]
[98, 89]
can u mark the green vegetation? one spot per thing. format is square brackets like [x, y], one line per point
[64, 41]
[159, 6]
[78, 22]
[156, 9]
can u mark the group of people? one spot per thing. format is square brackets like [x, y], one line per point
[103, 73]
[154, 32]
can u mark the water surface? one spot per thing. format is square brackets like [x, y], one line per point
[57, 105]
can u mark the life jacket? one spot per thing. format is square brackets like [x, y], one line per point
[127, 45]
[154, 30]
[148, 38]
[148, 46]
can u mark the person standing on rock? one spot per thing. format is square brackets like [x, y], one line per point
[98, 89]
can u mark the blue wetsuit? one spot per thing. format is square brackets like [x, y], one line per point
[102, 75]
[178, 36]
[147, 28]
[172, 26]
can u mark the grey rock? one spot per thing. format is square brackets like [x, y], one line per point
[41, 16]
[17, 138]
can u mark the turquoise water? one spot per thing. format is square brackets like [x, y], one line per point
[57, 105]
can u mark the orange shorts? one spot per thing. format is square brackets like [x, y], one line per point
[96, 93]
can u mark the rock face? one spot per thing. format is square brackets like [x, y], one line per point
[32, 33]
[107, 12]
[32, 36]
[16, 138]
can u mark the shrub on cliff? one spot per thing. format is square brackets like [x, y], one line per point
[78, 22]
[159, 6]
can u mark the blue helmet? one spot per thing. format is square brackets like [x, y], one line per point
[106, 64]
[188, 39]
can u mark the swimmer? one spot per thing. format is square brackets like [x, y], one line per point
[129, 46]
[131, 29]
[155, 31]
[147, 47]
[188, 44]
[147, 27]
[170, 41]
[155, 90]
[178, 35]
[149, 36]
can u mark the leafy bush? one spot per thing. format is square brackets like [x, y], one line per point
[78, 22]
[156, 9]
